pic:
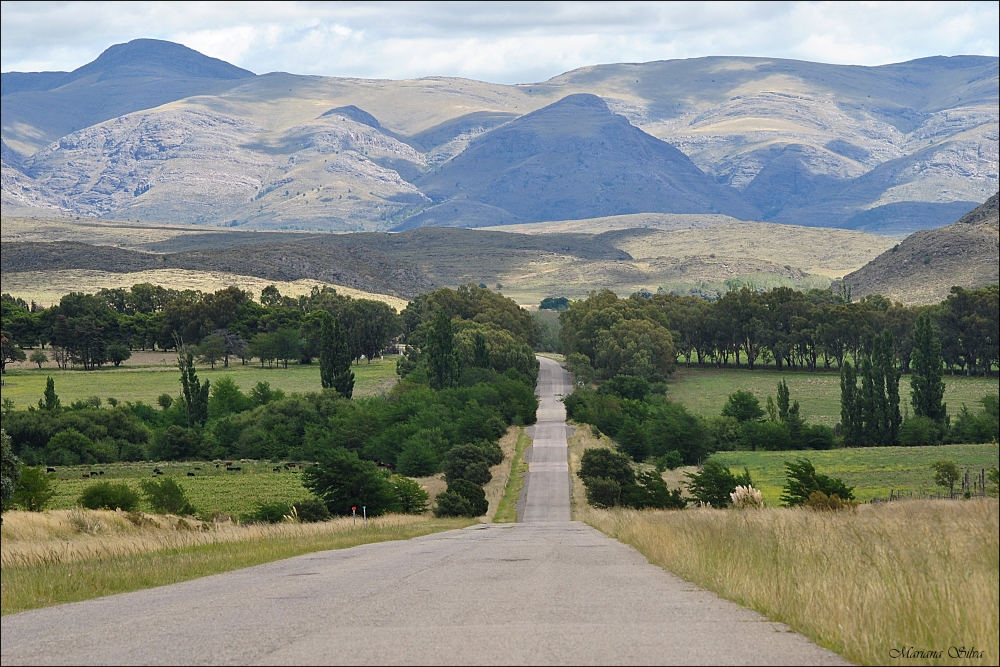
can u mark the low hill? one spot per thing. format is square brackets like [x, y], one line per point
[577, 159]
[924, 267]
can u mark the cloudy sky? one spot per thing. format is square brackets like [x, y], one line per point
[500, 42]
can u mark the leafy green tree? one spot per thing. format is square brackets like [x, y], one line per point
[38, 357]
[227, 399]
[946, 473]
[651, 492]
[335, 358]
[166, 496]
[802, 481]
[34, 489]
[342, 480]
[411, 496]
[926, 367]
[9, 352]
[598, 462]
[10, 470]
[311, 510]
[472, 462]
[713, 484]
[743, 406]
[442, 363]
[118, 353]
[49, 400]
[212, 349]
[419, 456]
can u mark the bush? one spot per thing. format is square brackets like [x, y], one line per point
[419, 457]
[918, 430]
[803, 480]
[603, 492]
[714, 484]
[109, 496]
[33, 490]
[817, 436]
[650, 491]
[946, 473]
[600, 463]
[632, 439]
[463, 498]
[311, 510]
[670, 461]
[167, 496]
[342, 480]
[69, 447]
[269, 513]
[472, 462]
[743, 406]
[626, 386]
[832, 503]
[412, 498]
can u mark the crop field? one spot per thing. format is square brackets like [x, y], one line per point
[872, 471]
[25, 386]
[705, 390]
[211, 490]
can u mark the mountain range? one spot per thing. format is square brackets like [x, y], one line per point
[154, 131]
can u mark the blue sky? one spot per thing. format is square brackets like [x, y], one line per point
[498, 42]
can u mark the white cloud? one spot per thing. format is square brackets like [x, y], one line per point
[502, 42]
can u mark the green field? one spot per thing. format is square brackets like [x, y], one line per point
[872, 471]
[25, 386]
[704, 390]
[211, 489]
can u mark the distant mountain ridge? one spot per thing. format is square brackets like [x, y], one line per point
[155, 131]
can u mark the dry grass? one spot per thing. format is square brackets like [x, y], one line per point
[47, 287]
[64, 556]
[921, 574]
[497, 486]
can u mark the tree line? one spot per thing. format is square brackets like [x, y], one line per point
[646, 335]
[92, 330]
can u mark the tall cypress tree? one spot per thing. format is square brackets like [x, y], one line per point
[926, 379]
[878, 400]
[335, 358]
[195, 392]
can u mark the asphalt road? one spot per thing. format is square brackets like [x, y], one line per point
[539, 592]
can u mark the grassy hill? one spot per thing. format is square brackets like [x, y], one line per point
[686, 254]
[924, 267]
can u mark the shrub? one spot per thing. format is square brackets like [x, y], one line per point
[269, 513]
[69, 447]
[342, 480]
[33, 490]
[10, 470]
[311, 510]
[463, 498]
[166, 496]
[817, 436]
[603, 463]
[603, 492]
[625, 386]
[632, 439]
[803, 480]
[670, 461]
[946, 473]
[412, 498]
[919, 430]
[714, 484]
[832, 503]
[419, 457]
[110, 496]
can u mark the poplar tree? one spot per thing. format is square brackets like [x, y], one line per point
[442, 364]
[195, 392]
[926, 368]
[850, 408]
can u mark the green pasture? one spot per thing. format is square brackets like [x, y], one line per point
[211, 489]
[25, 386]
[704, 390]
[872, 471]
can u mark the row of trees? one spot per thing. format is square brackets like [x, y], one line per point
[91, 330]
[643, 335]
